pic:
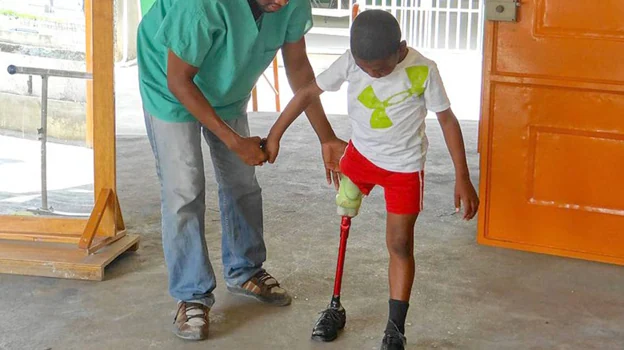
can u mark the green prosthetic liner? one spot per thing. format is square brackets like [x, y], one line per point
[349, 198]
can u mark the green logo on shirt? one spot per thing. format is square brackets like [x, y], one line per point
[417, 76]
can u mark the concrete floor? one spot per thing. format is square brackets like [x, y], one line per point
[69, 176]
[465, 296]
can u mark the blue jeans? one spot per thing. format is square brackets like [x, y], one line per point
[180, 168]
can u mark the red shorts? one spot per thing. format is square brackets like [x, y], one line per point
[403, 191]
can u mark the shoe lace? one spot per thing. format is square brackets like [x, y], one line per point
[394, 336]
[263, 279]
[192, 311]
[329, 317]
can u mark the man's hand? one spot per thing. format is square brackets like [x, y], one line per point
[249, 150]
[466, 195]
[271, 148]
[332, 152]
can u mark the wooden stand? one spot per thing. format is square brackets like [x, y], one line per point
[71, 247]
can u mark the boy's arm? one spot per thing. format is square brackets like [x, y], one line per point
[304, 97]
[464, 190]
[332, 147]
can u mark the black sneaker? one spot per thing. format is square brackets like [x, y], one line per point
[393, 340]
[328, 324]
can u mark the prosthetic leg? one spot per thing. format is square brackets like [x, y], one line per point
[333, 319]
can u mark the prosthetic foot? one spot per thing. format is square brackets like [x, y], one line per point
[331, 321]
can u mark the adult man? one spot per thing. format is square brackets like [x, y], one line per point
[198, 62]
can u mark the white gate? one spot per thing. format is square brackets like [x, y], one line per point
[449, 25]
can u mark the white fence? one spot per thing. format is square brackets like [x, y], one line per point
[332, 4]
[449, 25]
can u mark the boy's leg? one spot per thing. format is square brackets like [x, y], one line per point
[400, 242]
[349, 198]
[354, 182]
[348, 202]
[403, 193]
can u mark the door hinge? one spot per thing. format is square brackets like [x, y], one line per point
[501, 10]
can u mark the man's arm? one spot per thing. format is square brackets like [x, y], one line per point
[464, 191]
[299, 73]
[180, 82]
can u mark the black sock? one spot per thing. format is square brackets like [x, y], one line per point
[398, 312]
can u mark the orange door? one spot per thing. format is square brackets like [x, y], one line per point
[552, 130]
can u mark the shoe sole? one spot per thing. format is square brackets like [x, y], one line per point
[189, 337]
[321, 339]
[248, 294]
[318, 338]
[324, 340]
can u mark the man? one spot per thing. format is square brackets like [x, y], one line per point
[198, 62]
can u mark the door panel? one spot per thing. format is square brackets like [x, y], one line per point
[549, 40]
[580, 18]
[552, 130]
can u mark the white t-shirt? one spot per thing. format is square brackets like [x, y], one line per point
[388, 114]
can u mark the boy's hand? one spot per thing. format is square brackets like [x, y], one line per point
[332, 152]
[466, 195]
[271, 148]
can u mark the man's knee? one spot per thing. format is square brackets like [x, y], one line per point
[185, 188]
[240, 185]
[246, 182]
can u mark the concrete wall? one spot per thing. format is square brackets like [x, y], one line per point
[46, 40]
[56, 48]
[66, 120]
[71, 36]
[20, 108]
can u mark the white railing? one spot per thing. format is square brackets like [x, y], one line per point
[332, 4]
[450, 25]
[332, 8]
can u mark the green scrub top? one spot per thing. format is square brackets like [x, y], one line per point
[222, 39]
[145, 5]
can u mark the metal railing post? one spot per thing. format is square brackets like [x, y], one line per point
[42, 132]
[43, 137]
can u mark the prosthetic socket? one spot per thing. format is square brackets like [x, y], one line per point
[348, 199]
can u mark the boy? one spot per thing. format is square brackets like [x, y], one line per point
[391, 87]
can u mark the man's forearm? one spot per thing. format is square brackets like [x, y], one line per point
[195, 102]
[298, 77]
